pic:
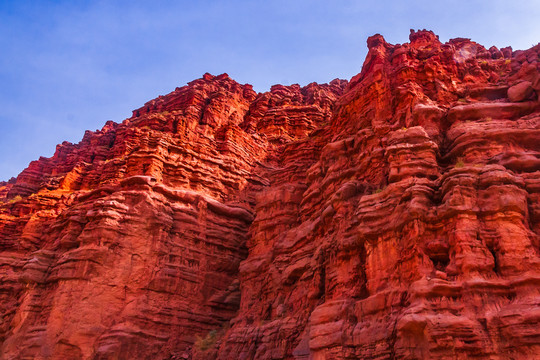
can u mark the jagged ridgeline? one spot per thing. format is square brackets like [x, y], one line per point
[392, 216]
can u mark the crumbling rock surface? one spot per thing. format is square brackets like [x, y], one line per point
[395, 216]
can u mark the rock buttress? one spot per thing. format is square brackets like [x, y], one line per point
[127, 244]
[408, 227]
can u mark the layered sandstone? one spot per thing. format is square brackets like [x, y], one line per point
[395, 216]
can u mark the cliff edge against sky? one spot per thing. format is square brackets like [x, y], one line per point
[392, 216]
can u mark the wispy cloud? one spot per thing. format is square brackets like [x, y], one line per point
[69, 66]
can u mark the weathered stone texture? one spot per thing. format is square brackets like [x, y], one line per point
[395, 216]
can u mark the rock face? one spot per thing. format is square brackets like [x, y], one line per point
[395, 216]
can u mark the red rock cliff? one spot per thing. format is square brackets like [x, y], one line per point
[395, 216]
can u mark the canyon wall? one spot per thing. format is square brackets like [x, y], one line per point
[392, 216]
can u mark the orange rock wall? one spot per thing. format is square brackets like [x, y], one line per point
[395, 216]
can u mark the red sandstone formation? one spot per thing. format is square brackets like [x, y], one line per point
[395, 216]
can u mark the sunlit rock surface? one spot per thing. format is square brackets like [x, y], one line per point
[394, 216]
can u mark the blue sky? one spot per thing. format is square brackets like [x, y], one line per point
[69, 66]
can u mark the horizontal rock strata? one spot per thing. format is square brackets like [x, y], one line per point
[394, 216]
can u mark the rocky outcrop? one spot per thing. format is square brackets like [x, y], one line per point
[414, 232]
[395, 216]
[127, 245]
